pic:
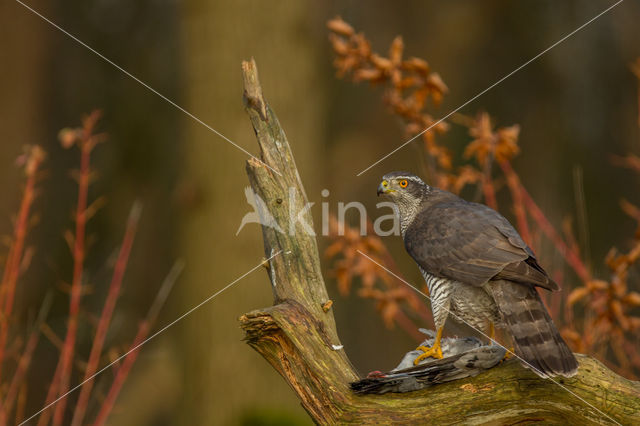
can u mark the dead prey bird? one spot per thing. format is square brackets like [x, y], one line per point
[462, 357]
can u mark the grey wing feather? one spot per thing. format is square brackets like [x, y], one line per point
[472, 243]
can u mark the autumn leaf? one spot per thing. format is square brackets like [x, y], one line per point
[337, 25]
[577, 294]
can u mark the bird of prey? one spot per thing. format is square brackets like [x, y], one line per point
[478, 268]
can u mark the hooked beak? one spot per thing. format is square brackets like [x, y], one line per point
[383, 188]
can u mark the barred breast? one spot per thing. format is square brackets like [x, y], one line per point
[469, 304]
[440, 291]
[474, 306]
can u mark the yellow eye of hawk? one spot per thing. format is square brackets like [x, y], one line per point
[404, 183]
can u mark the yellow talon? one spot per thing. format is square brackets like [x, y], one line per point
[509, 354]
[434, 351]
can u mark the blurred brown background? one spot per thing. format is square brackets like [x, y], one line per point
[576, 106]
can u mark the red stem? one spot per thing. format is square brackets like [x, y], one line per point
[570, 256]
[487, 183]
[61, 377]
[18, 376]
[51, 394]
[23, 364]
[14, 259]
[489, 192]
[66, 357]
[107, 313]
[140, 339]
[121, 375]
[537, 215]
[513, 182]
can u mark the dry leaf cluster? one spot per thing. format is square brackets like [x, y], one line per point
[388, 291]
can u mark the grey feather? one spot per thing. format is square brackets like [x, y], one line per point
[470, 243]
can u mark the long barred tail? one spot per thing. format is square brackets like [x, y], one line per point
[536, 339]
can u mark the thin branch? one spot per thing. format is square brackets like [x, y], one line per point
[107, 313]
[33, 160]
[513, 182]
[143, 332]
[66, 357]
[86, 141]
[25, 360]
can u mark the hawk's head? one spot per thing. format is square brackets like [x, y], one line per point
[404, 189]
[407, 192]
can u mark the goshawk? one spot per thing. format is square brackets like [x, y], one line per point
[478, 268]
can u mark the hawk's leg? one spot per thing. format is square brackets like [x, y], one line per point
[492, 336]
[434, 351]
[440, 291]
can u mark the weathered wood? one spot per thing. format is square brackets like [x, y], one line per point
[300, 340]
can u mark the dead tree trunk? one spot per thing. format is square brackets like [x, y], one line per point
[298, 336]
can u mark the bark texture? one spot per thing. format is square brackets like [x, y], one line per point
[298, 336]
